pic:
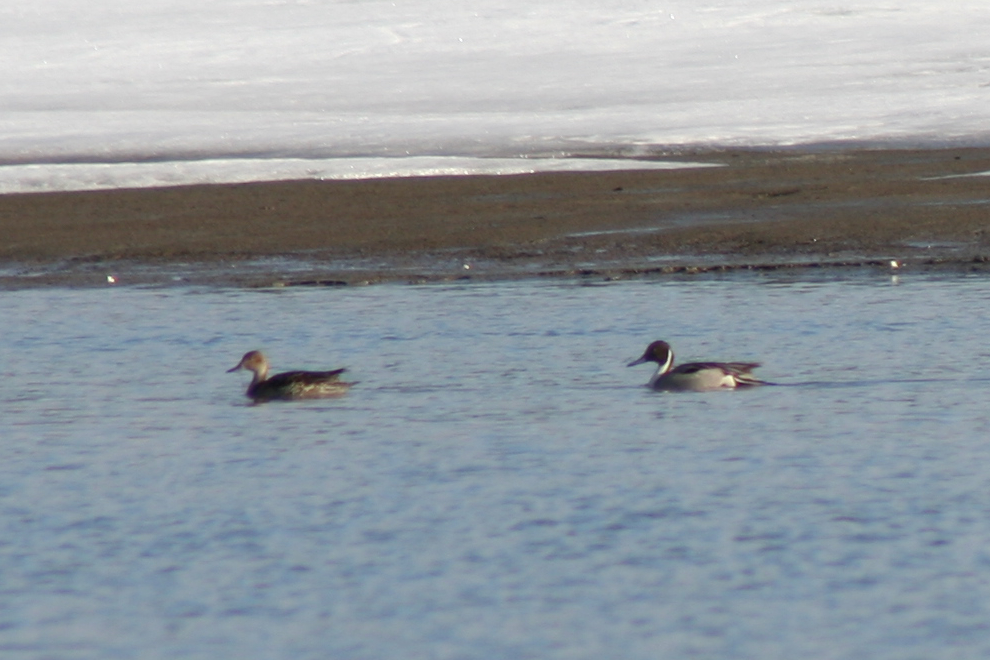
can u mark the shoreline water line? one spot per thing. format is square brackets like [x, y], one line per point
[759, 209]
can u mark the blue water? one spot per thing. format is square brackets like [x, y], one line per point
[499, 484]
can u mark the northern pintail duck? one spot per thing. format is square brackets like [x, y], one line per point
[291, 384]
[695, 376]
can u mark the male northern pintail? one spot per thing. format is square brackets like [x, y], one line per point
[291, 384]
[695, 376]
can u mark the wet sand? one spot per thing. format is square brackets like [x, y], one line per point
[758, 209]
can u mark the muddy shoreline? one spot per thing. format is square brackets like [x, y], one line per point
[758, 209]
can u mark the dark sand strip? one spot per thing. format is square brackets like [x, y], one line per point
[762, 209]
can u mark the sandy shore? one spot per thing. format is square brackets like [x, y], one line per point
[759, 209]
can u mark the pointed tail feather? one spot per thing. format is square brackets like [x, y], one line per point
[748, 380]
[742, 373]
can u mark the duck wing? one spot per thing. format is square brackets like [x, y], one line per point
[300, 385]
[729, 368]
[304, 378]
[739, 368]
[740, 371]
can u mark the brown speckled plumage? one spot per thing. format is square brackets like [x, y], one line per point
[291, 384]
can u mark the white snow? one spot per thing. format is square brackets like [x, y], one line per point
[117, 93]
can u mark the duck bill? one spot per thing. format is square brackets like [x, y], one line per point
[639, 361]
[234, 369]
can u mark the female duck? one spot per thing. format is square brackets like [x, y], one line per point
[291, 384]
[695, 376]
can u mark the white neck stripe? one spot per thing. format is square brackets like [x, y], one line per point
[663, 368]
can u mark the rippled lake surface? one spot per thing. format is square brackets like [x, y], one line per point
[499, 484]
